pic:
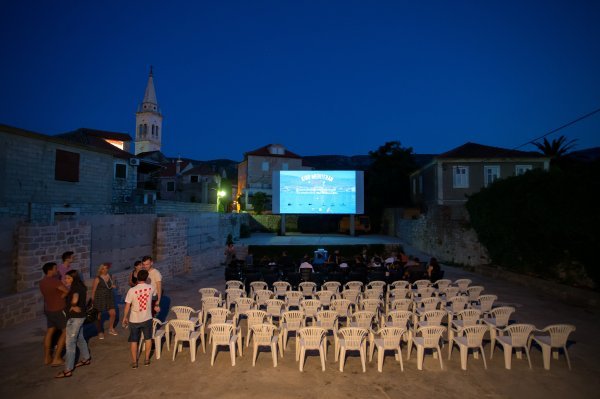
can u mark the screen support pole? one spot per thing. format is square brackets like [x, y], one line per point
[352, 225]
[283, 224]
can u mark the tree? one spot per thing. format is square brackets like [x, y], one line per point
[387, 179]
[555, 148]
[258, 201]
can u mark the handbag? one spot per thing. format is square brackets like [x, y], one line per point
[91, 313]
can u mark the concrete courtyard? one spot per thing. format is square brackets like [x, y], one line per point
[23, 375]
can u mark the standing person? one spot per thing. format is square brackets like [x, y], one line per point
[67, 259]
[155, 280]
[229, 254]
[104, 300]
[433, 270]
[54, 293]
[75, 308]
[138, 316]
[137, 266]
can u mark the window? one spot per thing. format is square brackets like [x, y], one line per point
[460, 176]
[145, 129]
[66, 166]
[156, 131]
[194, 179]
[285, 166]
[265, 166]
[171, 186]
[141, 130]
[522, 169]
[120, 171]
[490, 174]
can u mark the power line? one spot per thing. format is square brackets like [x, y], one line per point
[559, 128]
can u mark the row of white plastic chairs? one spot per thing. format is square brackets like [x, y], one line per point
[465, 329]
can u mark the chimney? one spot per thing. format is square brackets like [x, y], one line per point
[178, 167]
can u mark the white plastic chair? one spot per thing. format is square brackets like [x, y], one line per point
[376, 284]
[442, 284]
[274, 308]
[254, 317]
[185, 313]
[159, 332]
[352, 339]
[234, 284]
[217, 316]
[462, 284]
[515, 336]
[554, 337]
[421, 284]
[310, 307]
[464, 318]
[292, 298]
[399, 284]
[474, 291]
[388, 339]
[342, 307]
[325, 297]
[242, 305]
[327, 319]
[185, 331]
[257, 286]
[209, 292]
[209, 303]
[262, 296]
[497, 318]
[352, 295]
[333, 286]
[292, 320]
[264, 335]
[308, 288]
[353, 285]
[449, 292]
[471, 338]
[396, 318]
[484, 303]
[427, 338]
[232, 295]
[372, 293]
[311, 338]
[401, 304]
[281, 287]
[225, 334]
[372, 305]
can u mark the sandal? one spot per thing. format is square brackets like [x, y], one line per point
[134, 365]
[147, 362]
[64, 374]
[113, 332]
[84, 363]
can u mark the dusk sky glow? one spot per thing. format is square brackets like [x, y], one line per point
[319, 77]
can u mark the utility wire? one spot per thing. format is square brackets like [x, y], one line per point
[559, 128]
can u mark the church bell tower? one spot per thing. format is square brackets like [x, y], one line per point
[148, 120]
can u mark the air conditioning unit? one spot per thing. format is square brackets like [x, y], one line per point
[134, 162]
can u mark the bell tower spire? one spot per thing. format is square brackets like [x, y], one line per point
[148, 118]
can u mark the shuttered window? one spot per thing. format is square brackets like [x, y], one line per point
[66, 167]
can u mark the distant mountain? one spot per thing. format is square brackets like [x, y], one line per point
[337, 162]
[356, 162]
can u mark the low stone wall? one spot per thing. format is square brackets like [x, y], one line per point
[17, 308]
[272, 223]
[163, 206]
[443, 233]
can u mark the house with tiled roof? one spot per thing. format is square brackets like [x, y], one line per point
[255, 172]
[450, 177]
[44, 177]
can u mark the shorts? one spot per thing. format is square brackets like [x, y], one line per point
[56, 319]
[136, 330]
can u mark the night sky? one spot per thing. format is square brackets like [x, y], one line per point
[319, 77]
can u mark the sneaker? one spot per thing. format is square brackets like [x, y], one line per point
[101, 336]
[112, 332]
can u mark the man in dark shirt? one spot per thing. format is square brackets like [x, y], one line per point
[54, 293]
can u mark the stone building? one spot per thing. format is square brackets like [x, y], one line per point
[255, 172]
[148, 118]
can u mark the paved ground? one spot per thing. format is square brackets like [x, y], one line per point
[22, 373]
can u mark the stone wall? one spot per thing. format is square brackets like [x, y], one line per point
[442, 232]
[165, 207]
[179, 243]
[38, 244]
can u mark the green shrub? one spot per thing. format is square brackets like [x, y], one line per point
[541, 221]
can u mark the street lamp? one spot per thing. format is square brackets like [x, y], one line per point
[220, 194]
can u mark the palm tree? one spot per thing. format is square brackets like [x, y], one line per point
[555, 148]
